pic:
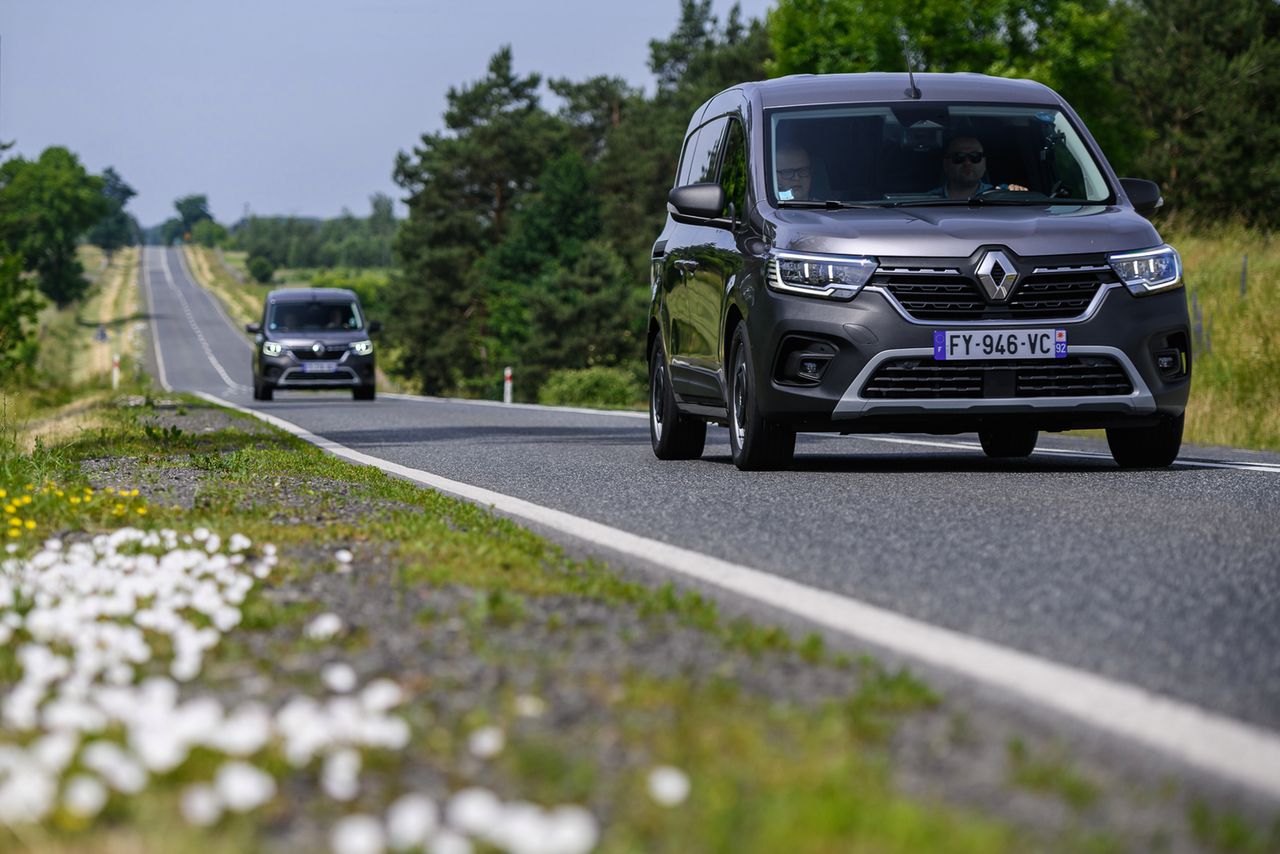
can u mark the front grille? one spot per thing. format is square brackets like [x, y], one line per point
[331, 353]
[948, 294]
[1074, 376]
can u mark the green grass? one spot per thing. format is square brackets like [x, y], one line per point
[1230, 832]
[1051, 774]
[1235, 391]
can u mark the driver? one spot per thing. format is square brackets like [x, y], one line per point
[964, 163]
[794, 171]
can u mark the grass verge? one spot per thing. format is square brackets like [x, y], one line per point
[471, 612]
[1235, 394]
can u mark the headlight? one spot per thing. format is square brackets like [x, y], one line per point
[362, 348]
[1149, 271]
[271, 348]
[828, 276]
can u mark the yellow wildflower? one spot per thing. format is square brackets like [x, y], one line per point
[14, 532]
[110, 490]
[31, 524]
[142, 511]
[75, 499]
[30, 486]
[26, 499]
[3, 493]
[119, 508]
[58, 492]
[134, 492]
[88, 491]
[15, 522]
[9, 508]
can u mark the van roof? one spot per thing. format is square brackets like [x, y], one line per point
[805, 89]
[309, 294]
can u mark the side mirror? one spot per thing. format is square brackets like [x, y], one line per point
[705, 201]
[253, 328]
[375, 326]
[1144, 195]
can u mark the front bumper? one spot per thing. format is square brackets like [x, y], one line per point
[872, 331]
[288, 372]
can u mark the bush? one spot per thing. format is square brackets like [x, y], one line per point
[261, 269]
[608, 388]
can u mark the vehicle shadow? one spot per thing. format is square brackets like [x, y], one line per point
[487, 435]
[924, 463]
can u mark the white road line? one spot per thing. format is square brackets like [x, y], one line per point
[186, 309]
[217, 303]
[1237, 751]
[151, 316]
[1192, 462]
[1269, 468]
[580, 410]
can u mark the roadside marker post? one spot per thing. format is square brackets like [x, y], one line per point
[115, 371]
[506, 384]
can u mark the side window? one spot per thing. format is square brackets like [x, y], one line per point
[733, 172]
[686, 160]
[706, 156]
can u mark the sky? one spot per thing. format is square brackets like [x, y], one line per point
[291, 107]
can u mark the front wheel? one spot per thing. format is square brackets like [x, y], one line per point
[262, 390]
[756, 443]
[1147, 447]
[674, 436]
[364, 392]
[1007, 442]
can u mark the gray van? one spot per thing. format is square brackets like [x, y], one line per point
[313, 338]
[867, 253]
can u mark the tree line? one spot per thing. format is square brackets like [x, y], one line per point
[47, 206]
[529, 228]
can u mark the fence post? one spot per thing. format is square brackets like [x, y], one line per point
[1244, 274]
[506, 384]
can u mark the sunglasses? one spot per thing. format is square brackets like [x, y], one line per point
[958, 157]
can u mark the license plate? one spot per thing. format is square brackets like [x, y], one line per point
[319, 367]
[999, 344]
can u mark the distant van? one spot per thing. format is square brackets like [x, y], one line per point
[313, 338]
[863, 253]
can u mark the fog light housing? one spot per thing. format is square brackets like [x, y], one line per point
[803, 361]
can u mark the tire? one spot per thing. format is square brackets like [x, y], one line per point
[1008, 442]
[1147, 447]
[364, 392]
[673, 436]
[757, 444]
[262, 391]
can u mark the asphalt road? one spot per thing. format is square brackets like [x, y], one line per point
[1166, 580]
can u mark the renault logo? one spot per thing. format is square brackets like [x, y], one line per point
[997, 275]
[317, 348]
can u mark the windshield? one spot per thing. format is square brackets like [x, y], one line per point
[314, 316]
[929, 154]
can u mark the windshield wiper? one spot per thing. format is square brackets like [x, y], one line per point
[821, 204]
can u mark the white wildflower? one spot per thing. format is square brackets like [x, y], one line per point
[358, 834]
[324, 627]
[486, 742]
[411, 820]
[668, 786]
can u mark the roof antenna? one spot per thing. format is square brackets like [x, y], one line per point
[913, 92]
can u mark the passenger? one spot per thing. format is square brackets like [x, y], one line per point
[794, 172]
[964, 163]
[335, 319]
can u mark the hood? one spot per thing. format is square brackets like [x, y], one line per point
[956, 232]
